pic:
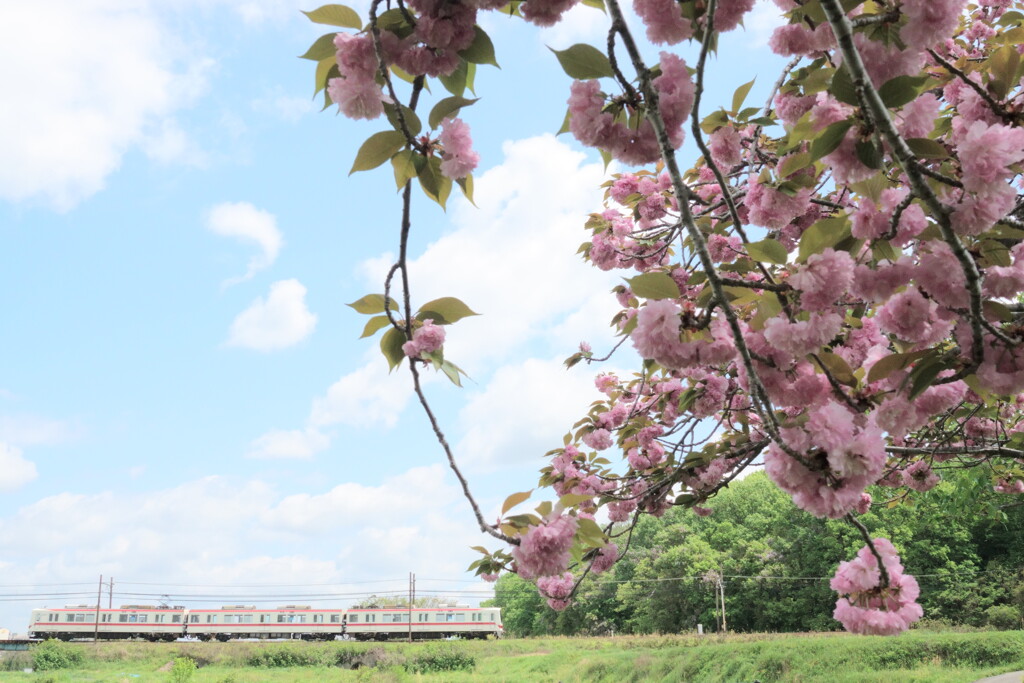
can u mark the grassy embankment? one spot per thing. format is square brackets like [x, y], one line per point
[836, 658]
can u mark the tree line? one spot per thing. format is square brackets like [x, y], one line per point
[772, 563]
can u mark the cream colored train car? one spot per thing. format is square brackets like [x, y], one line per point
[299, 622]
[129, 621]
[427, 623]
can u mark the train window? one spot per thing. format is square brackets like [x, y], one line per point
[318, 618]
[211, 619]
[194, 618]
[246, 619]
[176, 619]
[158, 618]
[264, 618]
[353, 618]
[422, 617]
[143, 618]
[335, 618]
[231, 619]
[460, 617]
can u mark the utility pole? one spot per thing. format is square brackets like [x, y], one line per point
[110, 595]
[99, 596]
[412, 599]
[721, 590]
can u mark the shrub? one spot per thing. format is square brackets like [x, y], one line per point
[278, 657]
[1003, 617]
[53, 654]
[15, 661]
[441, 658]
[182, 669]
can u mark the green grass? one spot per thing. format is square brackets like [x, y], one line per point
[798, 658]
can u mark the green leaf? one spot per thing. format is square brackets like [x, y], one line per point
[838, 368]
[829, 139]
[391, 346]
[444, 311]
[923, 375]
[793, 163]
[894, 363]
[842, 87]
[481, 50]
[825, 233]
[412, 121]
[322, 48]
[1003, 65]
[372, 303]
[467, 187]
[447, 107]
[335, 15]
[654, 286]
[405, 167]
[377, 149]
[596, 4]
[882, 250]
[452, 371]
[590, 533]
[768, 250]
[435, 184]
[584, 62]
[741, 94]
[455, 83]
[393, 20]
[869, 153]
[926, 148]
[515, 499]
[373, 325]
[573, 499]
[901, 90]
[323, 70]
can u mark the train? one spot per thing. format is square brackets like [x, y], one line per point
[291, 622]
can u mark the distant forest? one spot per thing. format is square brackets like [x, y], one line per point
[773, 563]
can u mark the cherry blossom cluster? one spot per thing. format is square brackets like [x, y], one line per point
[868, 606]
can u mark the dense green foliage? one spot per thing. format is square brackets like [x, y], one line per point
[53, 654]
[776, 561]
[183, 669]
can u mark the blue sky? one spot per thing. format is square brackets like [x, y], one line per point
[184, 400]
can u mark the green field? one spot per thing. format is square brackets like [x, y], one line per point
[836, 658]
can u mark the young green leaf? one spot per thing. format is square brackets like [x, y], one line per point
[829, 139]
[447, 107]
[377, 149]
[654, 286]
[741, 94]
[444, 311]
[481, 50]
[391, 346]
[768, 250]
[372, 303]
[335, 15]
[584, 62]
[515, 499]
[322, 48]
[374, 325]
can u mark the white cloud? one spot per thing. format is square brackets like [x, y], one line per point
[285, 107]
[217, 530]
[581, 24]
[280, 321]
[15, 471]
[761, 21]
[84, 81]
[245, 222]
[514, 258]
[523, 413]
[293, 444]
[395, 500]
[32, 430]
[369, 396]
